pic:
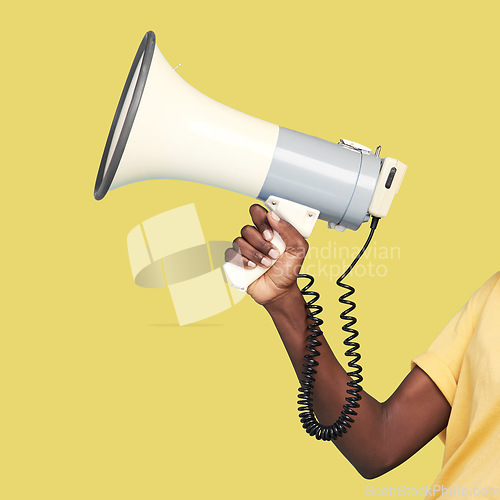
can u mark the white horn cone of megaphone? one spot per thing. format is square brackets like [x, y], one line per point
[164, 128]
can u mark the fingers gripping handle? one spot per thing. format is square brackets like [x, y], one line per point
[299, 216]
[241, 278]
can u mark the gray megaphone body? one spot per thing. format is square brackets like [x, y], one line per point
[165, 129]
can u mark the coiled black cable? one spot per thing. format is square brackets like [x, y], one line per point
[306, 415]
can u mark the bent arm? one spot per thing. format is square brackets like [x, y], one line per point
[383, 435]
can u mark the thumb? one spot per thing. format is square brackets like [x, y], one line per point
[294, 241]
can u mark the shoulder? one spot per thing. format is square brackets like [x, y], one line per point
[495, 280]
[482, 294]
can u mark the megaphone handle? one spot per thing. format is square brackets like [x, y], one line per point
[241, 278]
[301, 217]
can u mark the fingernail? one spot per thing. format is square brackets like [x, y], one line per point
[274, 216]
[265, 262]
[251, 264]
[267, 235]
[273, 253]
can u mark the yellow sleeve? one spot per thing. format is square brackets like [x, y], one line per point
[443, 359]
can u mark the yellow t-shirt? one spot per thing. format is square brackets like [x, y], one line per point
[464, 362]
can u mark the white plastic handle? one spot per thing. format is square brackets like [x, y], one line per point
[301, 217]
[241, 278]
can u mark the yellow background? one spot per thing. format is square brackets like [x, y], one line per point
[102, 395]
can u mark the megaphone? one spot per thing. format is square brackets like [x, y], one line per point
[163, 128]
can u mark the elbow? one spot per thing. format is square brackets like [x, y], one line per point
[382, 457]
[372, 473]
[376, 466]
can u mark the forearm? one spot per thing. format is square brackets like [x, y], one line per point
[363, 444]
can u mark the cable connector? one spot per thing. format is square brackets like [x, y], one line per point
[374, 222]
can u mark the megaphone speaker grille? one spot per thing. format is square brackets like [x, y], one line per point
[125, 115]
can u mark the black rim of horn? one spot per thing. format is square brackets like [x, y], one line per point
[105, 176]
